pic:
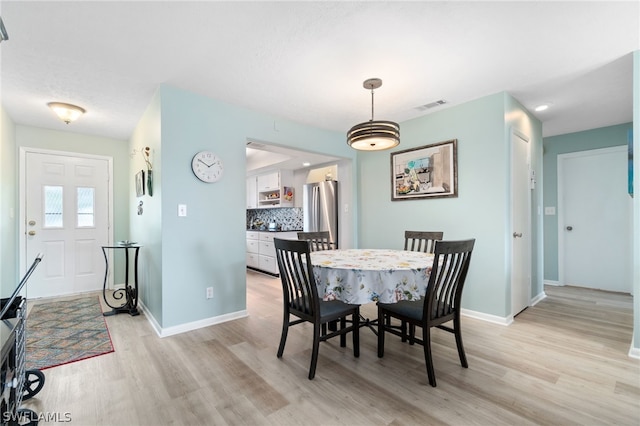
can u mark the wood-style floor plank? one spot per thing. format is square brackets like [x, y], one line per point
[563, 361]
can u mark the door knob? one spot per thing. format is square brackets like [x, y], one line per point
[32, 222]
[569, 228]
[32, 233]
[517, 235]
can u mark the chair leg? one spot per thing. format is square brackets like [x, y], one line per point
[412, 334]
[426, 339]
[356, 334]
[381, 319]
[458, 333]
[343, 337]
[403, 331]
[283, 336]
[314, 351]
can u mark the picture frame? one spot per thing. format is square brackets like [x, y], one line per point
[140, 183]
[429, 171]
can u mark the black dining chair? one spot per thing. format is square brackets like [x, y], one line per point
[318, 240]
[440, 304]
[423, 241]
[301, 299]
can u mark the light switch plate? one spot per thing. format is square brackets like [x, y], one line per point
[182, 210]
[549, 211]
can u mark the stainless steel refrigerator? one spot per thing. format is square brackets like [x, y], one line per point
[320, 208]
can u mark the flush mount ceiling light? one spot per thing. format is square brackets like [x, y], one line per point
[373, 135]
[542, 107]
[66, 112]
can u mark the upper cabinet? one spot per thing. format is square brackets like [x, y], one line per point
[275, 189]
[252, 193]
[269, 182]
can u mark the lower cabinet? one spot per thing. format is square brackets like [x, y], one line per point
[253, 247]
[261, 252]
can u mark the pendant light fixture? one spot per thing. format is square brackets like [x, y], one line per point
[66, 112]
[373, 135]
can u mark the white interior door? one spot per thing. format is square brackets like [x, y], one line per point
[594, 220]
[521, 224]
[66, 219]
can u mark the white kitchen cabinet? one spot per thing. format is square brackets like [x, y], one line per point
[275, 189]
[269, 182]
[252, 192]
[253, 260]
[261, 251]
[253, 249]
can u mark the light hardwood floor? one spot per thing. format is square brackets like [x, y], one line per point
[562, 362]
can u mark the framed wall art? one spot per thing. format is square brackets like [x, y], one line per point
[429, 171]
[140, 183]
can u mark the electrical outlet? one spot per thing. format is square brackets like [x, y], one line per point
[209, 292]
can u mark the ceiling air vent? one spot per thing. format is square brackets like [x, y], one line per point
[431, 105]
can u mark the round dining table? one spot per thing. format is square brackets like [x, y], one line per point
[360, 276]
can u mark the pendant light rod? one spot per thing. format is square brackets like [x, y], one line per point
[372, 83]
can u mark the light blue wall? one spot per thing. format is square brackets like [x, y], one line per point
[207, 248]
[482, 207]
[553, 146]
[8, 211]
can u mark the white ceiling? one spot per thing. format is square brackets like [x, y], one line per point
[306, 61]
[263, 157]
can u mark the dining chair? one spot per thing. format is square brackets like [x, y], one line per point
[440, 304]
[301, 299]
[318, 240]
[423, 241]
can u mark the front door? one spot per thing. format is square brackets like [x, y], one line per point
[66, 219]
[594, 220]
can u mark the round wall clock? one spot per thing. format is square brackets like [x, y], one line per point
[207, 166]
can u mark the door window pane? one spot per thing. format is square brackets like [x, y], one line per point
[86, 204]
[53, 207]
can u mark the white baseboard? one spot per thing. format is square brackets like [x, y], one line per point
[183, 328]
[540, 296]
[633, 351]
[555, 283]
[487, 317]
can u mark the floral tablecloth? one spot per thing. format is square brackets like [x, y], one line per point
[362, 276]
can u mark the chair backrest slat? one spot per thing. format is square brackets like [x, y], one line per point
[448, 274]
[423, 241]
[296, 274]
[318, 240]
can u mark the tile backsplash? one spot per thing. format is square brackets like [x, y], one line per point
[289, 219]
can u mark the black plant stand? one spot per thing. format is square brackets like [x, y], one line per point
[128, 293]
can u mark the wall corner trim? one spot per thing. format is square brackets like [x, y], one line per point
[633, 351]
[539, 297]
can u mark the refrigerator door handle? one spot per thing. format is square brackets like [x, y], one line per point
[315, 208]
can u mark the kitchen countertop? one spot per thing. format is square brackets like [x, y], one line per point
[280, 230]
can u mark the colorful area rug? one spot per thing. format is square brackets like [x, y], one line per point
[67, 331]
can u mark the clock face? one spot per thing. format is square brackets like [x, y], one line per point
[207, 166]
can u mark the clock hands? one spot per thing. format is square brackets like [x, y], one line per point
[208, 165]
